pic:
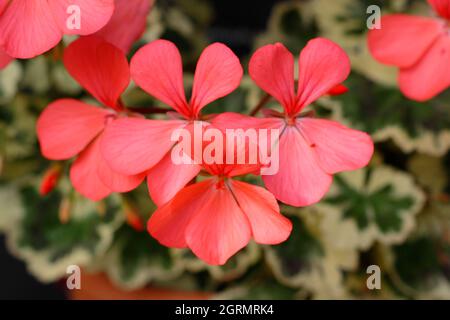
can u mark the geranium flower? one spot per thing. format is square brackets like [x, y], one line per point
[310, 150]
[127, 24]
[217, 217]
[30, 28]
[69, 128]
[419, 46]
[133, 146]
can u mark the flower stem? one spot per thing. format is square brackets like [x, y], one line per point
[260, 105]
[149, 110]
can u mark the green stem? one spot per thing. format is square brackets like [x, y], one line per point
[260, 105]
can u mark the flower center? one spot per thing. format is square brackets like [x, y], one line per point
[110, 118]
[221, 180]
[290, 121]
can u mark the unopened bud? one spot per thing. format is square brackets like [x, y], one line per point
[64, 210]
[132, 217]
[338, 90]
[50, 179]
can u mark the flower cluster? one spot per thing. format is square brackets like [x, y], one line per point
[117, 148]
[420, 47]
[208, 207]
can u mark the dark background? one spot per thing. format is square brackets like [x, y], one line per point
[235, 23]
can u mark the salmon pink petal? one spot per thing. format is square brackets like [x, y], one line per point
[272, 68]
[84, 176]
[127, 23]
[3, 4]
[218, 73]
[165, 179]
[28, 29]
[99, 67]
[442, 7]
[4, 59]
[118, 182]
[246, 158]
[403, 39]
[94, 14]
[338, 148]
[219, 229]
[300, 180]
[115, 181]
[134, 145]
[238, 158]
[232, 120]
[322, 66]
[236, 121]
[157, 69]
[67, 126]
[168, 223]
[267, 224]
[431, 75]
[236, 170]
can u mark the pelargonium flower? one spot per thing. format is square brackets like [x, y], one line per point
[134, 146]
[30, 28]
[218, 216]
[310, 150]
[419, 46]
[127, 24]
[69, 128]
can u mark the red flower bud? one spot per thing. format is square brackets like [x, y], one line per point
[64, 210]
[132, 217]
[338, 90]
[50, 179]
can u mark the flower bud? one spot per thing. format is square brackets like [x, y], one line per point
[50, 179]
[132, 217]
[64, 210]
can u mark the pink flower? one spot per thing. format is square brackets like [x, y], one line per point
[127, 23]
[136, 146]
[420, 47]
[30, 28]
[217, 217]
[310, 150]
[69, 128]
